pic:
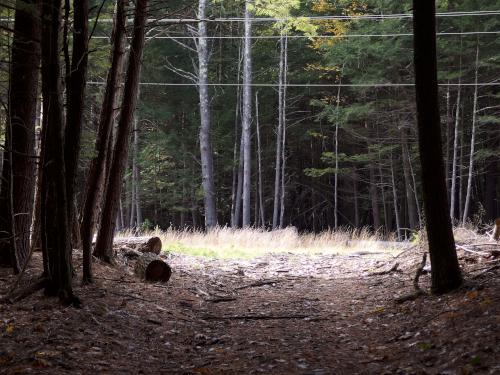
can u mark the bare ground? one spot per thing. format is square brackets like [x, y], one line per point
[280, 314]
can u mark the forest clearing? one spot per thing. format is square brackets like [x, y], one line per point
[279, 313]
[257, 186]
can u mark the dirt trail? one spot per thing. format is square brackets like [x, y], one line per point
[282, 314]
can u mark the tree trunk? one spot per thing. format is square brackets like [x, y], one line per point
[395, 202]
[75, 98]
[56, 233]
[374, 200]
[98, 165]
[16, 197]
[236, 160]
[355, 197]
[138, 211]
[283, 138]
[336, 174]
[103, 247]
[279, 136]
[445, 269]
[410, 197]
[247, 116]
[259, 165]
[468, 194]
[207, 163]
[453, 192]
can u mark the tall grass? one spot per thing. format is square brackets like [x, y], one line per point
[224, 242]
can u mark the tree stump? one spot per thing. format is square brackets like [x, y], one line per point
[151, 268]
[142, 244]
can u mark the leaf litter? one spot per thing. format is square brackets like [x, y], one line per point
[277, 314]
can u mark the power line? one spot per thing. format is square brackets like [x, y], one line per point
[257, 37]
[476, 13]
[99, 83]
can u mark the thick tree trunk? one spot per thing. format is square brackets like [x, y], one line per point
[468, 194]
[56, 233]
[95, 179]
[247, 116]
[237, 141]
[207, 163]
[103, 248]
[445, 269]
[336, 173]
[16, 197]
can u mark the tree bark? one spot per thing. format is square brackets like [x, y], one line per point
[453, 191]
[151, 268]
[374, 200]
[75, 98]
[247, 116]
[445, 269]
[207, 163]
[138, 210]
[103, 247]
[98, 165]
[410, 197]
[259, 165]
[56, 233]
[18, 172]
[468, 194]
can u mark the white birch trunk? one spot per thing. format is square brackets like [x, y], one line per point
[247, 116]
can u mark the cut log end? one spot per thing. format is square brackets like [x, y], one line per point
[151, 268]
[158, 270]
[152, 246]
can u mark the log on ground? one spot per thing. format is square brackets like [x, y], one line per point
[151, 268]
[142, 244]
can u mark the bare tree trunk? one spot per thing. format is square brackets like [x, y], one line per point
[16, 196]
[247, 115]
[259, 166]
[234, 189]
[374, 200]
[445, 269]
[355, 197]
[138, 210]
[395, 202]
[468, 193]
[415, 192]
[283, 138]
[132, 205]
[336, 174]
[207, 163]
[410, 197]
[74, 114]
[95, 179]
[279, 136]
[453, 191]
[239, 189]
[56, 233]
[104, 242]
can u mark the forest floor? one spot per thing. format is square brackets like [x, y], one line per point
[276, 314]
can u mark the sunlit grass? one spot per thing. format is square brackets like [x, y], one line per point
[227, 243]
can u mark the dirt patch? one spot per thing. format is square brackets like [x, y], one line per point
[278, 314]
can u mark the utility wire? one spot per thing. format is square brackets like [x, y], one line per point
[303, 84]
[474, 13]
[316, 36]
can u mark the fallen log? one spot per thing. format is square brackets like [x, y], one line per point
[151, 268]
[142, 244]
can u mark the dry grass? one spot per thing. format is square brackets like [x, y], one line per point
[224, 242]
